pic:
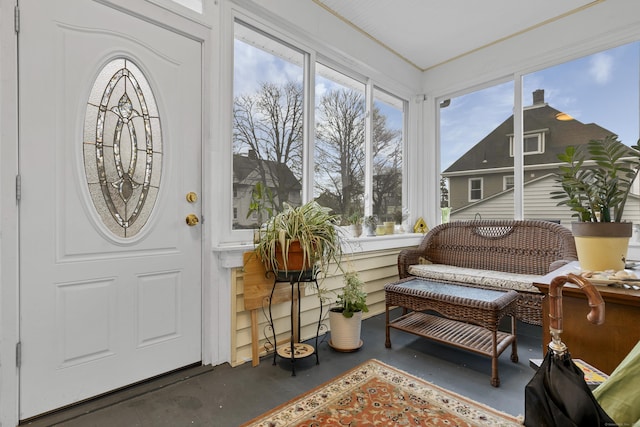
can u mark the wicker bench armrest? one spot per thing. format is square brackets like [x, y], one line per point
[406, 258]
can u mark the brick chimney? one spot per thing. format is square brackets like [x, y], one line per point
[538, 96]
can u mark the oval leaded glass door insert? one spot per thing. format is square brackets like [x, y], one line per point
[122, 147]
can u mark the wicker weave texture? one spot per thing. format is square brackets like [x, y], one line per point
[482, 313]
[463, 335]
[511, 246]
[471, 324]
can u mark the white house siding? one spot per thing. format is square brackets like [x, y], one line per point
[538, 205]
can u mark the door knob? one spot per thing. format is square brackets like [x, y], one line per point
[192, 220]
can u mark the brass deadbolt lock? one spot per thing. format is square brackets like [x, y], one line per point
[192, 197]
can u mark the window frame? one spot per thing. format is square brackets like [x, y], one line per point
[505, 184]
[540, 142]
[471, 181]
[327, 57]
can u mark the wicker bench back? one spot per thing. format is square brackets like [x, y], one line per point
[511, 246]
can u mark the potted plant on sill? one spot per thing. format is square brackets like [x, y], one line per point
[370, 223]
[355, 224]
[299, 240]
[595, 183]
[345, 319]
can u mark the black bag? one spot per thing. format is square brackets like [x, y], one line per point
[558, 396]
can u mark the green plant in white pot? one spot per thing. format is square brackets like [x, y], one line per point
[345, 318]
[595, 183]
[299, 239]
[370, 223]
[355, 224]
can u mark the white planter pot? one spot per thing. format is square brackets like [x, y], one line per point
[356, 230]
[345, 332]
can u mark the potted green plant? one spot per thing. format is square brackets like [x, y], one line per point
[299, 239]
[370, 222]
[595, 181]
[345, 319]
[355, 224]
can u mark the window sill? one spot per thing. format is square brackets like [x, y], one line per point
[230, 255]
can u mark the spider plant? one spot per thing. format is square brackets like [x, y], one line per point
[311, 226]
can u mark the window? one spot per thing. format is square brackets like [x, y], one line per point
[577, 101]
[475, 148]
[340, 141]
[388, 125]
[267, 124]
[531, 144]
[357, 135]
[567, 104]
[475, 189]
[507, 182]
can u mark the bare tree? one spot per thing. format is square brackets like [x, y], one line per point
[268, 126]
[340, 156]
[387, 166]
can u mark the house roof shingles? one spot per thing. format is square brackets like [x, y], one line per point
[493, 151]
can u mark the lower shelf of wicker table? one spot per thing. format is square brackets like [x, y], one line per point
[459, 334]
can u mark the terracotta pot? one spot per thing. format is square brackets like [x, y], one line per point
[295, 258]
[602, 245]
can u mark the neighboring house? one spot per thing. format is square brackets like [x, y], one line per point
[487, 168]
[537, 205]
[249, 170]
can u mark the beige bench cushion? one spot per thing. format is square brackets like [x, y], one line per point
[489, 278]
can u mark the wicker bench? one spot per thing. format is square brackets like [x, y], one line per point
[493, 254]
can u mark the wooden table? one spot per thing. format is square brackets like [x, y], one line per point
[471, 316]
[602, 346]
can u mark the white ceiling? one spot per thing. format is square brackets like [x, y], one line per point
[427, 33]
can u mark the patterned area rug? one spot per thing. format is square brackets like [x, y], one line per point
[374, 393]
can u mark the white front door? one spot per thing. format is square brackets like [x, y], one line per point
[110, 146]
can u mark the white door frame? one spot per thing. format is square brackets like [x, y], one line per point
[167, 14]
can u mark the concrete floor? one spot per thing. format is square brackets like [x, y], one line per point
[225, 396]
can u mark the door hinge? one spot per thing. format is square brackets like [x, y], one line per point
[18, 187]
[16, 19]
[18, 354]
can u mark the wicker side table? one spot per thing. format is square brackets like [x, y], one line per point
[470, 316]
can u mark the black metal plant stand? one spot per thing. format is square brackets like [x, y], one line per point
[295, 350]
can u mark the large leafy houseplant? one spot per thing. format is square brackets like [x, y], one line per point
[597, 178]
[595, 182]
[311, 226]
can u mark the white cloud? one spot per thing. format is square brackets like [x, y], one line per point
[600, 67]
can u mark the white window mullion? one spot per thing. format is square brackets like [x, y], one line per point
[518, 156]
[309, 134]
[368, 150]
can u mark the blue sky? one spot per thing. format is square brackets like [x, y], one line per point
[602, 88]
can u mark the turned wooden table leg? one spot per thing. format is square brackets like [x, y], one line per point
[514, 344]
[495, 378]
[387, 342]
